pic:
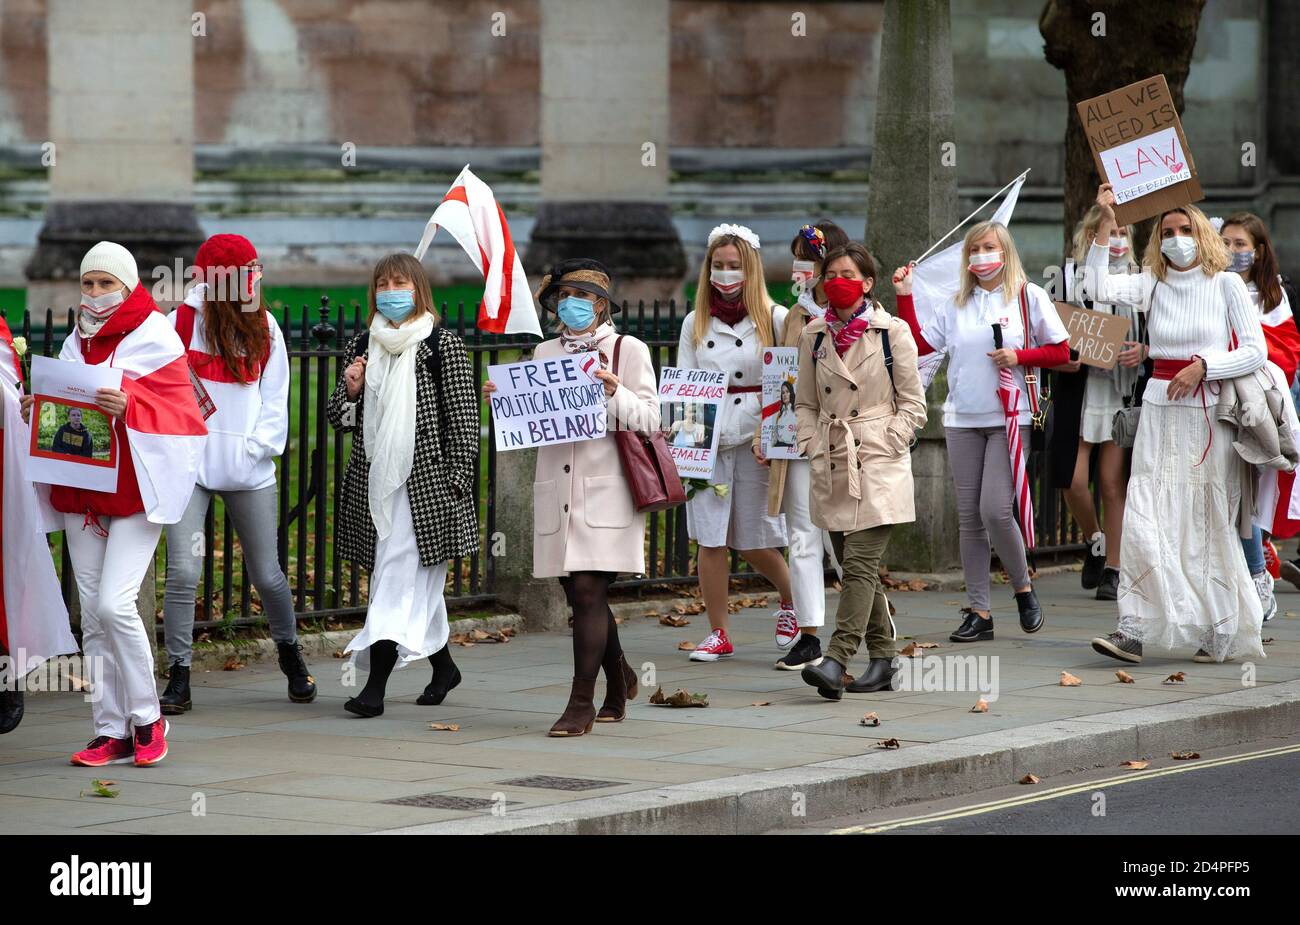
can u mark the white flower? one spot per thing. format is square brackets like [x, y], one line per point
[739, 231]
[20, 346]
[720, 490]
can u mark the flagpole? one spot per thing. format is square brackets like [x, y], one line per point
[972, 215]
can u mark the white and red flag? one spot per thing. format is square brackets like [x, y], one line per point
[33, 620]
[474, 218]
[1009, 395]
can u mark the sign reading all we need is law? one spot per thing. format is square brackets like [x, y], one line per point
[540, 402]
[1138, 145]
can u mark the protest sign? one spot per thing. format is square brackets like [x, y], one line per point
[544, 402]
[1097, 336]
[72, 442]
[689, 404]
[1138, 145]
[779, 426]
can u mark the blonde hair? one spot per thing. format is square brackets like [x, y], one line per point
[1013, 274]
[754, 294]
[1086, 231]
[1209, 246]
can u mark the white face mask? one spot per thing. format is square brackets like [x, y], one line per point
[1179, 250]
[1118, 247]
[101, 307]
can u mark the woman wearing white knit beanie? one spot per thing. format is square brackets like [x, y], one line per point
[111, 536]
[1184, 583]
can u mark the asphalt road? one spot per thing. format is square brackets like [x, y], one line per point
[1246, 790]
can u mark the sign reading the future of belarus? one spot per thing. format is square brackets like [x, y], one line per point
[689, 401]
[780, 427]
[541, 402]
[1138, 145]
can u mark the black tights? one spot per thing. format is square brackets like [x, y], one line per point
[595, 634]
[383, 658]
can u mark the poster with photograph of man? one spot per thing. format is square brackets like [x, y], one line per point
[72, 441]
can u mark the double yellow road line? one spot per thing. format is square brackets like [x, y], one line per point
[1056, 792]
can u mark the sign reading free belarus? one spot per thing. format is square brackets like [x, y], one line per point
[541, 402]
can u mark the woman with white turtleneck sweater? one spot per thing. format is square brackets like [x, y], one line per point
[1184, 582]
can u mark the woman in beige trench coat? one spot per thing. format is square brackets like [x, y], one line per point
[585, 527]
[860, 403]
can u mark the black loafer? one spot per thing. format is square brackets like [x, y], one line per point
[1031, 615]
[828, 678]
[363, 709]
[435, 692]
[1108, 590]
[974, 628]
[879, 676]
[11, 710]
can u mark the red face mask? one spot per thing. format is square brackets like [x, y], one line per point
[843, 293]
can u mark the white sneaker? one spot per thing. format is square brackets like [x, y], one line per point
[787, 628]
[1267, 600]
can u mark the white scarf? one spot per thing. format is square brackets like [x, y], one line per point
[585, 343]
[389, 420]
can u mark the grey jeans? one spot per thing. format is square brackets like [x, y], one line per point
[981, 470]
[253, 514]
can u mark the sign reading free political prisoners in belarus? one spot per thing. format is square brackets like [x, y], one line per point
[540, 402]
[689, 402]
[1138, 144]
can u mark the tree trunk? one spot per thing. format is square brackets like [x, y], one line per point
[1140, 40]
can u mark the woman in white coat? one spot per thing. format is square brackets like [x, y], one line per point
[734, 320]
[585, 528]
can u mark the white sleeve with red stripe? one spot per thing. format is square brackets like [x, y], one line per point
[163, 422]
[271, 431]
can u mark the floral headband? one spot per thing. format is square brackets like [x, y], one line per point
[816, 240]
[739, 231]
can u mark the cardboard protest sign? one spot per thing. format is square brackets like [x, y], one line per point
[690, 400]
[1138, 145]
[779, 426]
[72, 441]
[1098, 336]
[543, 402]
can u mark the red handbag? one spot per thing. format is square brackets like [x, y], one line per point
[647, 465]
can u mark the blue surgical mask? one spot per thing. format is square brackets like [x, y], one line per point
[1242, 261]
[576, 314]
[395, 304]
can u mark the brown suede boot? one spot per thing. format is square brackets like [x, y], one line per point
[618, 691]
[580, 712]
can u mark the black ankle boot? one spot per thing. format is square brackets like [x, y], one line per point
[437, 690]
[973, 628]
[175, 699]
[11, 710]
[828, 678]
[879, 676]
[302, 686]
[1031, 614]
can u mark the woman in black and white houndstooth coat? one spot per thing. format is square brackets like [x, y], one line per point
[439, 493]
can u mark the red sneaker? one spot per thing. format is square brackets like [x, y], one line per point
[104, 750]
[787, 628]
[151, 743]
[1271, 561]
[713, 648]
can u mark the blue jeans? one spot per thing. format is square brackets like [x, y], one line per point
[1253, 547]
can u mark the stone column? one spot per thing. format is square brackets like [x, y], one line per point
[121, 103]
[911, 202]
[604, 135]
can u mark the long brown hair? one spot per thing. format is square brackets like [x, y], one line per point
[241, 338]
[1264, 271]
[407, 267]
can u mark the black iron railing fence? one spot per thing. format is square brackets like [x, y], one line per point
[311, 475]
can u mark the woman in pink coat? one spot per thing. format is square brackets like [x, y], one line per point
[585, 527]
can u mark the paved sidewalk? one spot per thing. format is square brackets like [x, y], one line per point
[259, 764]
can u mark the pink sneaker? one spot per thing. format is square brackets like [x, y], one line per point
[104, 750]
[787, 628]
[151, 743]
[713, 648]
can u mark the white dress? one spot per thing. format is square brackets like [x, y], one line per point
[406, 598]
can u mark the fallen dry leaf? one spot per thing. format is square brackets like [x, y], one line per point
[1176, 678]
[697, 607]
[761, 703]
[871, 719]
[617, 621]
[686, 646]
[1268, 641]
[650, 613]
[1069, 680]
[888, 743]
[912, 648]
[1124, 677]
[669, 619]
[1031, 779]
[338, 653]
[1184, 756]
[232, 664]
[678, 698]
[981, 707]
[444, 727]
[1135, 764]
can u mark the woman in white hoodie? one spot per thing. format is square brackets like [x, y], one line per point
[236, 351]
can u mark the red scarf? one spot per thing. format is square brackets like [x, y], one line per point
[846, 333]
[731, 313]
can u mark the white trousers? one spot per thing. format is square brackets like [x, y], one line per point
[808, 543]
[109, 571]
